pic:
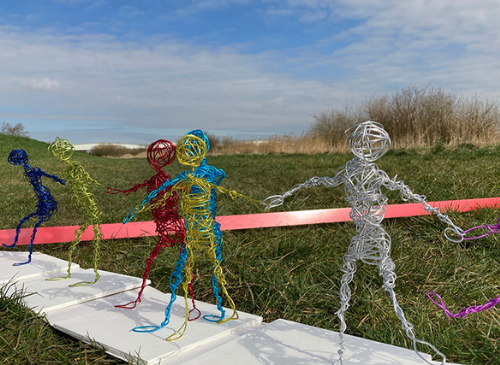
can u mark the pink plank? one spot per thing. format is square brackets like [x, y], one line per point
[243, 221]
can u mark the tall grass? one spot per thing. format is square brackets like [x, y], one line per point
[414, 117]
[418, 117]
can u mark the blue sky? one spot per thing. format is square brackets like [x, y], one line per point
[136, 71]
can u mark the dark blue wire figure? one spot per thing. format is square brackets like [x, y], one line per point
[46, 205]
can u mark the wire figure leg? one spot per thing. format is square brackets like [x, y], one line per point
[149, 262]
[186, 281]
[78, 236]
[348, 269]
[33, 234]
[218, 279]
[96, 243]
[386, 268]
[175, 280]
[18, 230]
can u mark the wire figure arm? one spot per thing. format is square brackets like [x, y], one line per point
[407, 194]
[135, 210]
[133, 189]
[54, 177]
[276, 200]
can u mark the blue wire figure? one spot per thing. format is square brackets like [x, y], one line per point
[46, 205]
[197, 191]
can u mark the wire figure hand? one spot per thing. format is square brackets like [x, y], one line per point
[272, 201]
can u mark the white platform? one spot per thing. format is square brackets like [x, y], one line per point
[40, 264]
[88, 313]
[289, 343]
[48, 296]
[111, 326]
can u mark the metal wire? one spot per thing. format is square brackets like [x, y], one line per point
[363, 180]
[46, 205]
[197, 189]
[79, 181]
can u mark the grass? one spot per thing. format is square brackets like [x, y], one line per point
[290, 272]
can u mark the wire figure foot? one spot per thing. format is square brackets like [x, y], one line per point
[22, 263]
[142, 329]
[130, 305]
[85, 283]
[57, 278]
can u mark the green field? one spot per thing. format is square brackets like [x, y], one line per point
[291, 273]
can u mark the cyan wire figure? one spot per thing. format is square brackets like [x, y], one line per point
[363, 181]
[46, 205]
[169, 224]
[80, 181]
[197, 191]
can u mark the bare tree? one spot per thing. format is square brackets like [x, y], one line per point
[17, 130]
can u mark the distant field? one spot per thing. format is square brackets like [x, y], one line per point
[293, 272]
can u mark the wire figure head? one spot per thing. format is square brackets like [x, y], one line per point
[18, 157]
[368, 140]
[198, 133]
[191, 150]
[161, 153]
[62, 149]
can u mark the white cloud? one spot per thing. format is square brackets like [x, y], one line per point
[171, 84]
[44, 83]
[310, 16]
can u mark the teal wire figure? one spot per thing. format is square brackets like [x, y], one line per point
[46, 205]
[80, 180]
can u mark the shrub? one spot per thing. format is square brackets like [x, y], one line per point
[114, 150]
[417, 117]
[17, 130]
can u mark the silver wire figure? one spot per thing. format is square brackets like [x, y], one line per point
[362, 181]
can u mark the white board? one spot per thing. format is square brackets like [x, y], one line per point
[48, 296]
[40, 264]
[100, 321]
[289, 343]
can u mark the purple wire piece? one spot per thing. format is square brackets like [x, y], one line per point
[473, 309]
[492, 228]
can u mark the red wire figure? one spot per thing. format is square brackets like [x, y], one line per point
[169, 225]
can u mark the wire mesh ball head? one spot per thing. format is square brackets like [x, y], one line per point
[368, 140]
[191, 150]
[160, 154]
[18, 157]
[199, 133]
[62, 149]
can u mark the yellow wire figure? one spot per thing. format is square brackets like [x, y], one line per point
[197, 206]
[79, 181]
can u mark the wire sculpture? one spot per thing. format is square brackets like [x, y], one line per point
[80, 181]
[197, 189]
[490, 228]
[363, 181]
[46, 205]
[169, 224]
